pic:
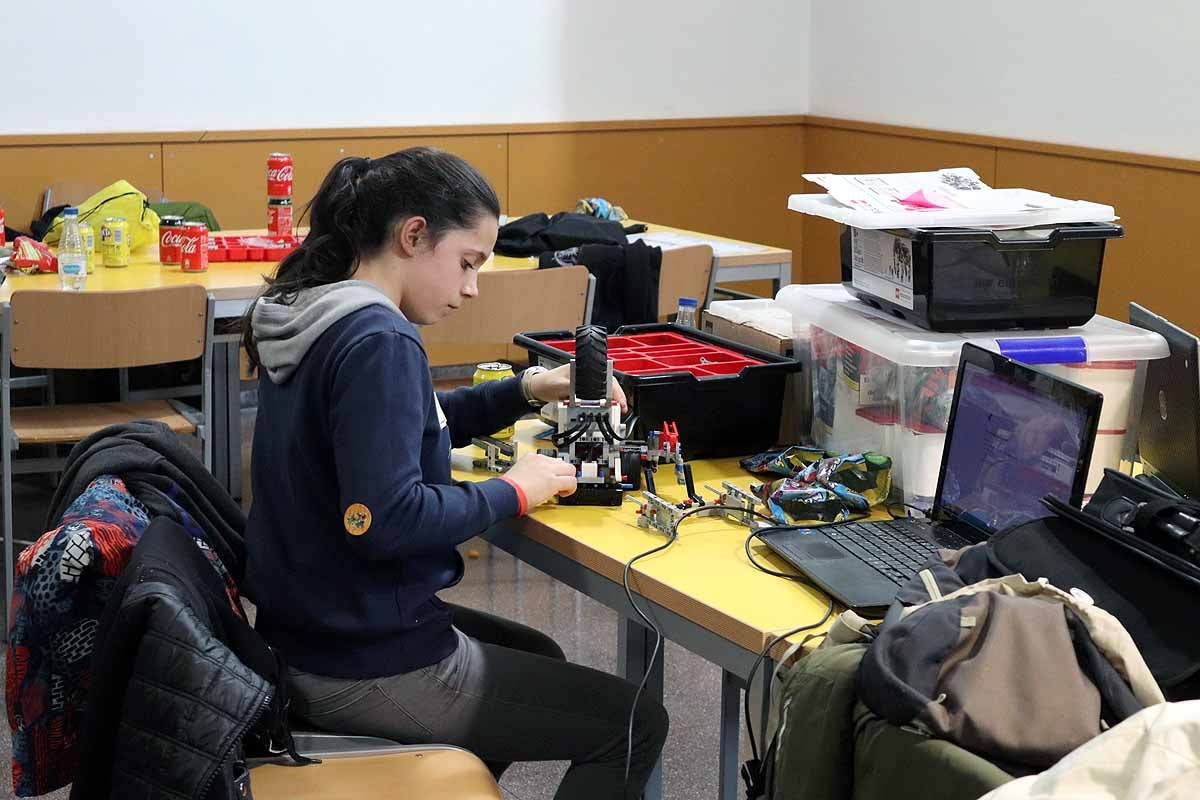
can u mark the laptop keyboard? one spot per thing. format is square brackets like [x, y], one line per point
[892, 548]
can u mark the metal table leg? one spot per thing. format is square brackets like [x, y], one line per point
[635, 644]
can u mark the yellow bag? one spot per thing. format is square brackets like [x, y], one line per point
[120, 199]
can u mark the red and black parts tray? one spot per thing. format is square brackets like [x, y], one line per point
[250, 248]
[725, 397]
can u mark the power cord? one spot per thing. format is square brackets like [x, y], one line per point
[658, 637]
[752, 772]
[921, 512]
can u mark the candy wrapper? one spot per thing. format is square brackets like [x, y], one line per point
[30, 256]
[820, 485]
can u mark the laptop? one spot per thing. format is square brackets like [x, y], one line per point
[1015, 435]
[1169, 430]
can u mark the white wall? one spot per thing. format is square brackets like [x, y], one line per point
[347, 63]
[1113, 74]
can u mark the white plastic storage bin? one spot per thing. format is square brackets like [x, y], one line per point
[884, 385]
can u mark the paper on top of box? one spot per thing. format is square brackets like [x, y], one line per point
[761, 314]
[834, 309]
[945, 198]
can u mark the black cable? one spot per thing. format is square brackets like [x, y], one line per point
[924, 513]
[658, 637]
[629, 424]
[756, 533]
[762, 657]
[572, 435]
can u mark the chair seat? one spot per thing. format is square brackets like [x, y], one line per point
[72, 423]
[442, 772]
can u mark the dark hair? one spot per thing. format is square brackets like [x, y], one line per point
[361, 200]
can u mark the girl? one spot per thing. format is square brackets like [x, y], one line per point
[355, 519]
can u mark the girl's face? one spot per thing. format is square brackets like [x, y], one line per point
[442, 277]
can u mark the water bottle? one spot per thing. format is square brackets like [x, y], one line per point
[686, 315]
[72, 255]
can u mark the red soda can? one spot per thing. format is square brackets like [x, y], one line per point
[193, 247]
[279, 175]
[170, 233]
[279, 217]
[1, 227]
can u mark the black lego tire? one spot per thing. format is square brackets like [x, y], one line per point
[631, 466]
[591, 362]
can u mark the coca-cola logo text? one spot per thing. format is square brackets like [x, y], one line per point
[279, 174]
[189, 245]
[171, 239]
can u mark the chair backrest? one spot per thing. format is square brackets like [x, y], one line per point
[686, 272]
[510, 302]
[108, 330]
[68, 193]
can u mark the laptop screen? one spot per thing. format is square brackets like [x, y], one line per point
[1013, 442]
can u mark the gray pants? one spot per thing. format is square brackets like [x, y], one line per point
[506, 694]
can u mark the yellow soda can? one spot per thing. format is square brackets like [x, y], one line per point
[114, 242]
[89, 244]
[495, 371]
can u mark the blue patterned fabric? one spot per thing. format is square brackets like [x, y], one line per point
[62, 583]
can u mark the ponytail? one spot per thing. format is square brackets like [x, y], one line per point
[358, 205]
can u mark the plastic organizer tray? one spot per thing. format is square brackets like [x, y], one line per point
[665, 353]
[250, 248]
[726, 397]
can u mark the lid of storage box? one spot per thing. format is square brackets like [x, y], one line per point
[832, 308]
[761, 314]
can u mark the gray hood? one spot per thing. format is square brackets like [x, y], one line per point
[284, 333]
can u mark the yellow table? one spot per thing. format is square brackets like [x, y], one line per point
[702, 591]
[234, 285]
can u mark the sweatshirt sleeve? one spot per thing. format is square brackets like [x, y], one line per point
[381, 406]
[482, 410]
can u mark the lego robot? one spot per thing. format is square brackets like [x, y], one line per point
[590, 435]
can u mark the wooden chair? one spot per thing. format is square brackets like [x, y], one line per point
[68, 193]
[81, 330]
[354, 767]
[686, 272]
[510, 302]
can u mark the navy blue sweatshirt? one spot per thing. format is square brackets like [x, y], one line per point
[355, 518]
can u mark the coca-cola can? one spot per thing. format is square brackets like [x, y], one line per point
[193, 247]
[170, 231]
[279, 175]
[1, 227]
[279, 217]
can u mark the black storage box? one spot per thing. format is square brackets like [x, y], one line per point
[725, 397]
[962, 279]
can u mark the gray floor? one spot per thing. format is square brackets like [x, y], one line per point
[586, 631]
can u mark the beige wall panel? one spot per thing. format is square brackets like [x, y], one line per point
[1155, 264]
[230, 177]
[727, 181]
[25, 172]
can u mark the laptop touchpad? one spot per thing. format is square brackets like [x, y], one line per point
[818, 550]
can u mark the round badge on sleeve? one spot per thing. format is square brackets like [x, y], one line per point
[357, 519]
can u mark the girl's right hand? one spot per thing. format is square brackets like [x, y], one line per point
[542, 477]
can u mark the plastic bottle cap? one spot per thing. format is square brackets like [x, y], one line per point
[70, 211]
[688, 302]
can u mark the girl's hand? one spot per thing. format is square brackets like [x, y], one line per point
[555, 385]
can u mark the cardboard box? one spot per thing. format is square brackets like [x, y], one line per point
[763, 324]
[758, 323]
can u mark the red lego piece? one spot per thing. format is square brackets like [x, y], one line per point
[669, 436]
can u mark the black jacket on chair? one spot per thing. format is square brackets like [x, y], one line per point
[627, 280]
[161, 472]
[534, 234]
[172, 694]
